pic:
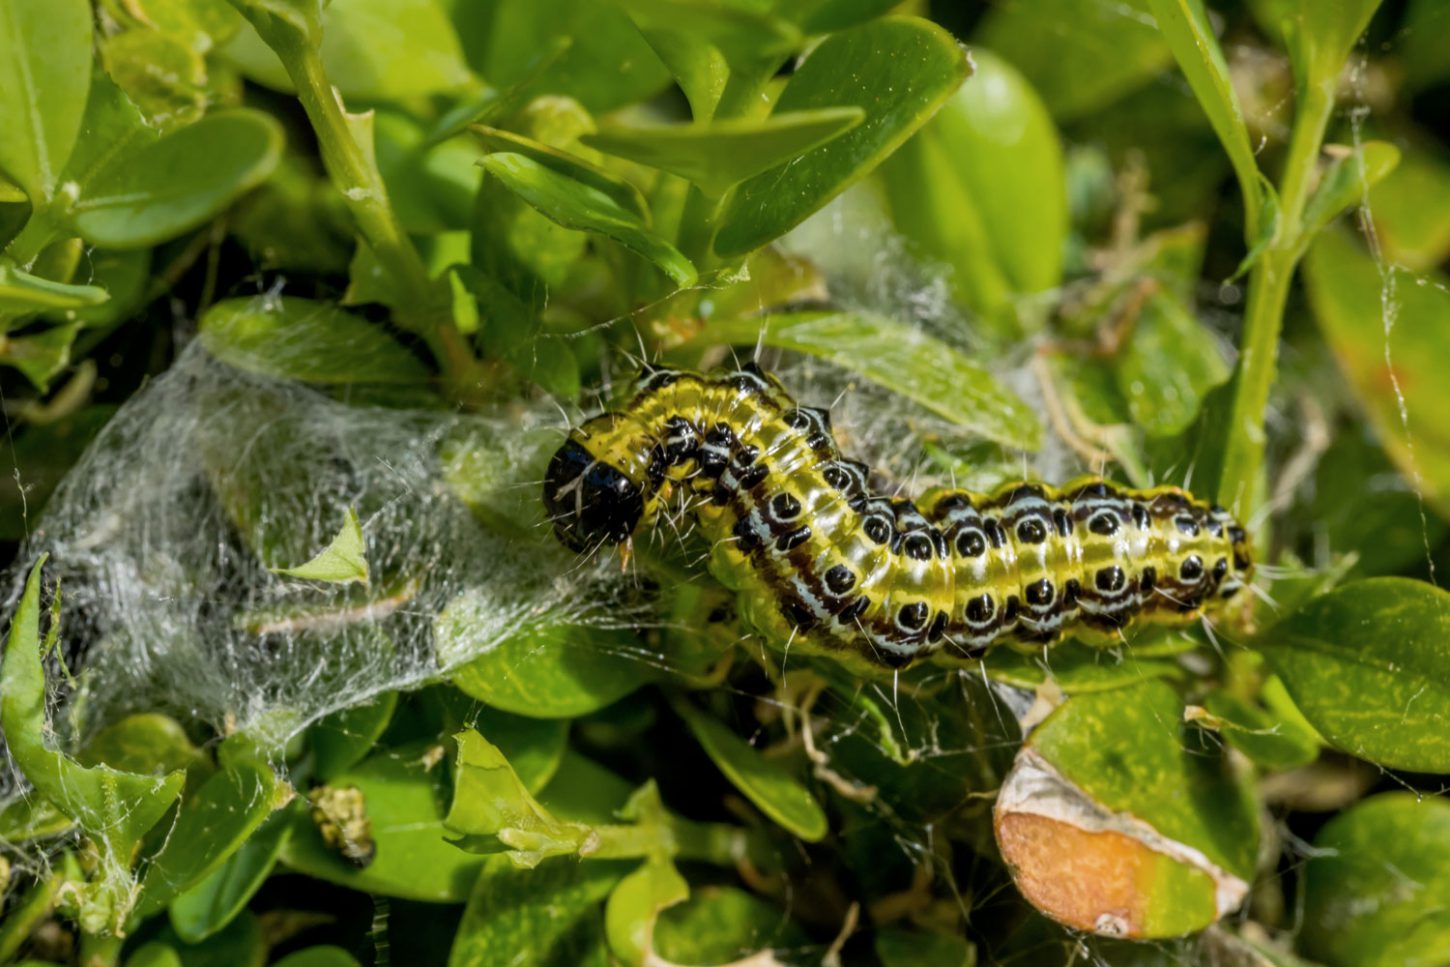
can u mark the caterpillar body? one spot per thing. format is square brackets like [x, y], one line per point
[822, 564]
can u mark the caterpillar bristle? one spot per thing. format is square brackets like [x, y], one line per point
[821, 561]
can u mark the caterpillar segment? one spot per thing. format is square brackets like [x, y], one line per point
[824, 565]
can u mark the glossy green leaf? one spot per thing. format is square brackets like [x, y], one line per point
[1272, 741]
[45, 73]
[898, 70]
[1369, 666]
[180, 181]
[1348, 181]
[607, 65]
[372, 49]
[1377, 886]
[532, 918]
[154, 954]
[900, 357]
[981, 189]
[213, 823]
[1184, 25]
[582, 207]
[773, 789]
[22, 293]
[114, 808]
[314, 342]
[714, 48]
[1406, 398]
[1168, 366]
[240, 944]
[634, 905]
[534, 747]
[162, 74]
[1080, 57]
[344, 738]
[213, 901]
[623, 193]
[719, 156]
[549, 671]
[343, 561]
[112, 132]
[402, 790]
[1319, 36]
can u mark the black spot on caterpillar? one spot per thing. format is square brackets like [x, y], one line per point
[821, 563]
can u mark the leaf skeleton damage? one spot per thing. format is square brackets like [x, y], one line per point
[822, 563]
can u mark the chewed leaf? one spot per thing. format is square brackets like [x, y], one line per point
[113, 807]
[635, 905]
[1110, 825]
[583, 207]
[901, 358]
[341, 562]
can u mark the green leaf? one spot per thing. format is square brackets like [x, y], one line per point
[45, 73]
[1168, 366]
[982, 189]
[41, 357]
[112, 131]
[624, 194]
[1077, 668]
[1110, 823]
[900, 357]
[376, 50]
[299, 339]
[714, 47]
[25, 911]
[1369, 666]
[898, 70]
[342, 739]
[534, 747]
[22, 293]
[771, 787]
[1319, 36]
[213, 824]
[241, 944]
[1377, 885]
[547, 671]
[1274, 742]
[323, 955]
[532, 918]
[576, 205]
[178, 182]
[344, 561]
[496, 812]
[1080, 57]
[898, 947]
[1409, 207]
[635, 904]
[1185, 26]
[402, 788]
[719, 156]
[146, 742]
[1347, 182]
[1405, 398]
[114, 808]
[212, 902]
[163, 74]
[722, 924]
[608, 64]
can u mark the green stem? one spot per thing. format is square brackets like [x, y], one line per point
[1264, 313]
[352, 168]
[39, 230]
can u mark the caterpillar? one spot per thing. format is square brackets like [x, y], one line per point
[821, 563]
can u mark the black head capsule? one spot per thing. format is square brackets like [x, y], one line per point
[590, 502]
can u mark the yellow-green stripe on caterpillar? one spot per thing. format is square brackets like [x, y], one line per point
[822, 564]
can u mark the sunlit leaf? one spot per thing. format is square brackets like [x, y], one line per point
[1369, 666]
